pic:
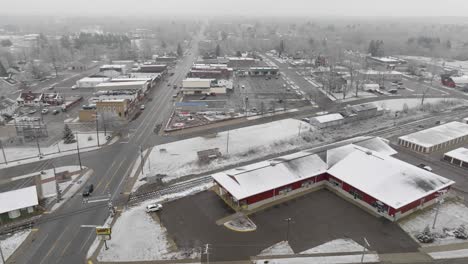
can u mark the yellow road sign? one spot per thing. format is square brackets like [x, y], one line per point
[103, 231]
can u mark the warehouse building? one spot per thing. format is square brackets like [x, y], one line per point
[458, 157]
[329, 120]
[18, 202]
[395, 191]
[436, 138]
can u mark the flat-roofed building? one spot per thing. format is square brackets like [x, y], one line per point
[458, 157]
[436, 138]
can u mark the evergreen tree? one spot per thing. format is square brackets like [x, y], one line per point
[180, 52]
[281, 48]
[218, 50]
[238, 54]
[68, 136]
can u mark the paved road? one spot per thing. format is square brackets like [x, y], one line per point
[64, 240]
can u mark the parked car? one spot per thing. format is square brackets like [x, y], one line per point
[45, 111]
[305, 119]
[393, 91]
[154, 207]
[52, 87]
[32, 112]
[88, 190]
[55, 112]
[74, 87]
[203, 97]
[424, 166]
[174, 86]
[142, 107]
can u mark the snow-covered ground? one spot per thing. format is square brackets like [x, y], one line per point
[398, 104]
[280, 248]
[241, 224]
[345, 259]
[11, 243]
[136, 236]
[336, 246]
[451, 216]
[180, 158]
[461, 253]
[86, 141]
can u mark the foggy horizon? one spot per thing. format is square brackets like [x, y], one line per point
[240, 8]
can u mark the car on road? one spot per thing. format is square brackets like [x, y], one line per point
[142, 107]
[243, 86]
[203, 97]
[52, 87]
[154, 207]
[305, 119]
[55, 112]
[393, 91]
[171, 74]
[424, 166]
[175, 95]
[174, 86]
[88, 190]
[74, 87]
[168, 84]
[45, 111]
[32, 112]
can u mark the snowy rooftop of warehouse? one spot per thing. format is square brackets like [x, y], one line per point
[267, 175]
[94, 79]
[18, 199]
[460, 79]
[328, 118]
[459, 154]
[107, 84]
[374, 144]
[437, 135]
[391, 181]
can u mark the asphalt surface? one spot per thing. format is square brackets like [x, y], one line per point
[317, 218]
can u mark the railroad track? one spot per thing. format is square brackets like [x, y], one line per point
[175, 188]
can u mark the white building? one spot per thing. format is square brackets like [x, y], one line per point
[141, 86]
[17, 201]
[436, 138]
[329, 120]
[121, 68]
[8, 106]
[458, 157]
[89, 82]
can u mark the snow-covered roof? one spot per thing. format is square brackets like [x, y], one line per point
[459, 154]
[267, 175]
[328, 118]
[460, 80]
[437, 135]
[18, 199]
[389, 180]
[376, 144]
[130, 83]
[94, 79]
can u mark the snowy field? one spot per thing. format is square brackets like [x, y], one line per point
[336, 246]
[451, 216]
[180, 158]
[397, 104]
[461, 253]
[10, 244]
[136, 236]
[86, 141]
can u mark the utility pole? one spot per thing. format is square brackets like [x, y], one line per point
[142, 161]
[37, 143]
[439, 202]
[300, 126]
[104, 124]
[97, 129]
[287, 230]
[1, 253]
[78, 151]
[207, 252]
[57, 187]
[227, 142]
[3, 151]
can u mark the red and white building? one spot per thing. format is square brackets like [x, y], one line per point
[364, 173]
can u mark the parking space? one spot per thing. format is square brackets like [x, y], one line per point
[412, 88]
[316, 218]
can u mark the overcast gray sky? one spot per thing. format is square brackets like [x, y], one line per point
[242, 7]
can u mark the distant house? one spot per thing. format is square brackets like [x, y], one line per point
[17, 202]
[7, 106]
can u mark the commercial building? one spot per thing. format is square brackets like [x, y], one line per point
[263, 71]
[7, 106]
[363, 111]
[454, 81]
[29, 98]
[241, 63]
[329, 120]
[165, 59]
[213, 71]
[379, 76]
[369, 177]
[436, 138]
[202, 86]
[90, 82]
[17, 202]
[141, 86]
[52, 98]
[387, 63]
[121, 68]
[152, 68]
[458, 157]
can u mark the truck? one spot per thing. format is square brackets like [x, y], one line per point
[370, 87]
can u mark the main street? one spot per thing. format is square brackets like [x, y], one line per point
[62, 239]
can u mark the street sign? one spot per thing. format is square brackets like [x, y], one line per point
[103, 231]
